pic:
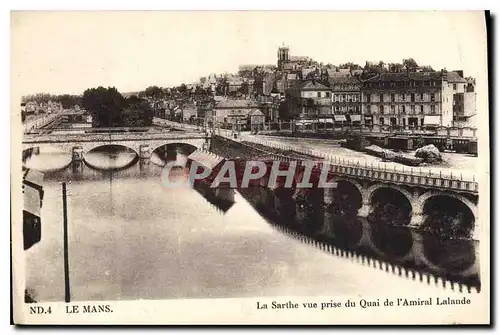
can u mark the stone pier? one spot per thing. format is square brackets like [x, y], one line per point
[144, 151]
[77, 154]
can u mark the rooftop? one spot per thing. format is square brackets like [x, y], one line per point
[313, 86]
[237, 103]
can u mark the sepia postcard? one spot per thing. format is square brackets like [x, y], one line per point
[250, 168]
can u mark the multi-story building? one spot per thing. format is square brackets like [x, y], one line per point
[313, 99]
[464, 105]
[414, 99]
[346, 98]
[243, 113]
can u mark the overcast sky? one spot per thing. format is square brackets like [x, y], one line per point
[67, 52]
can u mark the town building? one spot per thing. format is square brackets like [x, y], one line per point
[313, 99]
[464, 106]
[346, 98]
[410, 99]
[287, 63]
[238, 114]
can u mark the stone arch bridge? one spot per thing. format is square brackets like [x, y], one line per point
[142, 144]
[418, 189]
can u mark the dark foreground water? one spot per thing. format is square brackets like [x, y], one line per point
[130, 237]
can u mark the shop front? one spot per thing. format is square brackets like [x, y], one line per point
[340, 120]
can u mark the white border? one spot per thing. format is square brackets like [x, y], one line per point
[185, 5]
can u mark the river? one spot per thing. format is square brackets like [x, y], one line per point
[132, 238]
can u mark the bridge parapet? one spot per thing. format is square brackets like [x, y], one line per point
[411, 177]
[408, 178]
[110, 137]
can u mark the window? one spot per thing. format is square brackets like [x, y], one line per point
[381, 120]
[403, 97]
[381, 97]
[454, 87]
[381, 109]
[393, 109]
[433, 97]
[412, 109]
[403, 109]
[368, 109]
[319, 94]
[368, 97]
[393, 84]
[327, 94]
[433, 109]
[421, 96]
[421, 108]
[433, 83]
[412, 97]
[392, 97]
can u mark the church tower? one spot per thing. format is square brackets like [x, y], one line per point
[283, 56]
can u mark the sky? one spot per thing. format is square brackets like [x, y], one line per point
[67, 52]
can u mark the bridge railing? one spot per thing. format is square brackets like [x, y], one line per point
[357, 169]
[93, 137]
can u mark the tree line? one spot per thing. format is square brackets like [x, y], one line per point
[110, 109]
[66, 100]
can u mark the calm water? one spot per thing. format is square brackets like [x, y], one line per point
[130, 238]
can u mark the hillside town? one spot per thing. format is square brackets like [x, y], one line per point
[310, 95]
[299, 88]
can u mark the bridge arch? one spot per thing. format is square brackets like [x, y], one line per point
[192, 147]
[370, 191]
[458, 219]
[98, 158]
[45, 157]
[431, 194]
[354, 183]
[345, 198]
[89, 148]
[397, 206]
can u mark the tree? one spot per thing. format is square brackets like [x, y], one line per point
[182, 89]
[410, 64]
[371, 68]
[244, 88]
[351, 66]
[289, 108]
[68, 101]
[154, 92]
[395, 67]
[381, 66]
[137, 112]
[105, 105]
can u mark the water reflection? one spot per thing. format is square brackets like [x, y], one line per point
[110, 157]
[131, 237]
[420, 252]
[46, 159]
